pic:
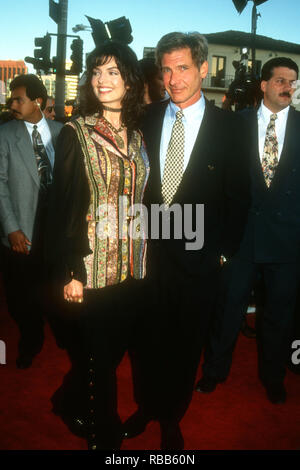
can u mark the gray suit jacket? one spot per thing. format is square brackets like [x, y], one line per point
[19, 180]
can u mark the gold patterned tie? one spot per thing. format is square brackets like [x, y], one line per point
[269, 160]
[173, 170]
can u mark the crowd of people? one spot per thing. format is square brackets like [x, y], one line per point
[143, 225]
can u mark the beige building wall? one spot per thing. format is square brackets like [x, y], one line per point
[232, 53]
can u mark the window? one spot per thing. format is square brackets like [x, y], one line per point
[218, 71]
[258, 67]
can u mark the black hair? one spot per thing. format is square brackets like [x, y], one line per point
[174, 41]
[127, 63]
[267, 70]
[33, 85]
[149, 68]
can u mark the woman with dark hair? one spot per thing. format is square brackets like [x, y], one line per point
[98, 242]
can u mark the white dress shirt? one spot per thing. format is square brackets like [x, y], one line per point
[192, 118]
[263, 116]
[43, 129]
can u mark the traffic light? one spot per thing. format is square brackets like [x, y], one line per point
[120, 29]
[99, 33]
[240, 5]
[41, 59]
[76, 57]
[54, 64]
[43, 51]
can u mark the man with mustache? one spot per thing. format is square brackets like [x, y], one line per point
[271, 243]
[26, 160]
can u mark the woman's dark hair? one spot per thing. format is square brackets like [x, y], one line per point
[127, 63]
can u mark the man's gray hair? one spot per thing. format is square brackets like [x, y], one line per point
[174, 41]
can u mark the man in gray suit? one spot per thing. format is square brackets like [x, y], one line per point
[26, 160]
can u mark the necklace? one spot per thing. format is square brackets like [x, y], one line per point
[114, 110]
[118, 138]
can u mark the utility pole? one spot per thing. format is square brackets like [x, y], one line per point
[240, 5]
[62, 27]
[59, 14]
[255, 15]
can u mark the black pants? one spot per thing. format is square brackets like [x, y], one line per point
[273, 324]
[181, 312]
[114, 320]
[23, 279]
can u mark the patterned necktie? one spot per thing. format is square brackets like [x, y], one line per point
[42, 160]
[173, 170]
[270, 154]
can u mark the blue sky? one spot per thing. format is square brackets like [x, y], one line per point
[23, 20]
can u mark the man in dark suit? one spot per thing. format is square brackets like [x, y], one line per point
[26, 160]
[272, 238]
[195, 154]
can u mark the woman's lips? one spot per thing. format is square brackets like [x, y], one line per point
[104, 90]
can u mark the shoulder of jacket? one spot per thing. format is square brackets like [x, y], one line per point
[11, 127]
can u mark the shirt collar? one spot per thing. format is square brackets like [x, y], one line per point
[265, 113]
[40, 124]
[191, 112]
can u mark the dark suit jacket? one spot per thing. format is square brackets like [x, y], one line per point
[218, 176]
[273, 227]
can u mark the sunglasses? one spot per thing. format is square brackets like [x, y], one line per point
[50, 109]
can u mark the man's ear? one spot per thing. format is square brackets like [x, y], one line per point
[263, 85]
[204, 69]
[39, 102]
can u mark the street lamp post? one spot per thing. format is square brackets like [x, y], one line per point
[240, 5]
[81, 27]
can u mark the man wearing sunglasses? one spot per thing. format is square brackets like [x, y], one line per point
[49, 111]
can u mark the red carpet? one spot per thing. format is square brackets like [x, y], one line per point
[236, 416]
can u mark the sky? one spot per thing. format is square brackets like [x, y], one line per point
[23, 20]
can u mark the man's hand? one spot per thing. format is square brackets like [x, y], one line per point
[73, 292]
[222, 260]
[19, 242]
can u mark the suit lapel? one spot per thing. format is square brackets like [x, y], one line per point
[201, 154]
[288, 152]
[24, 145]
[153, 146]
[53, 130]
[257, 173]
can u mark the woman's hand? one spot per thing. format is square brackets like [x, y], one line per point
[73, 292]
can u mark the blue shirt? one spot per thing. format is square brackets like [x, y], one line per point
[192, 118]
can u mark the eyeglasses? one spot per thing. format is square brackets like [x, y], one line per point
[50, 109]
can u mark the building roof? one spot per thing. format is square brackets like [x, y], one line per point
[242, 39]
